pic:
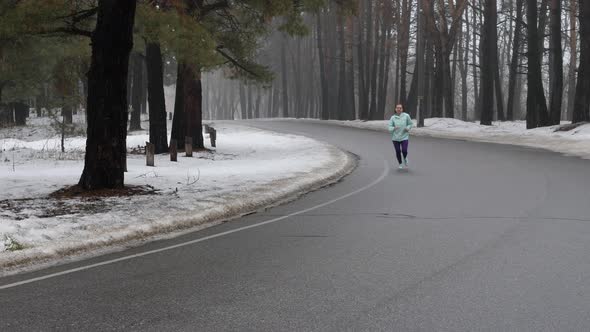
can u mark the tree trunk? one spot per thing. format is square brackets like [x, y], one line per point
[582, 99]
[143, 91]
[156, 100]
[487, 76]
[571, 89]
[20, 113]
[243, 101]
[285, 85]
[377, 48]
[350, 75]
[193, 105]
[363, 94]
[536, 106]
[136, 95]
[178, 125]
[385, 67]
[324, 95]
[342, 100]
[514, 62]
[556, 89]
[106, 148]
[67, 114]
[496, 65]
[476, 88]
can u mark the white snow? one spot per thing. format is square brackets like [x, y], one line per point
[575, 142]
[250, 169]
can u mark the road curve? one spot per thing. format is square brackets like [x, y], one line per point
[474, 236]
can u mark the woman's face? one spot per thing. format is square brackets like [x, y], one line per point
[399, 109]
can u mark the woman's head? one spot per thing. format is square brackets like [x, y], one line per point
[399, 108]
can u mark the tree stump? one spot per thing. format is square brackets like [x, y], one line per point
[188, 146]
[150, 150]
[173, 150]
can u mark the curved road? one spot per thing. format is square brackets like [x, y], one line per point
[474, 236]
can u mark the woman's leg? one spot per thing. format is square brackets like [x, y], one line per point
[404, 145]
[398, 152]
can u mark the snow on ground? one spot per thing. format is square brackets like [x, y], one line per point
[575, 142]
[250, 169]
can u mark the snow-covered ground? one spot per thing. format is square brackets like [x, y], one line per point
[575, 142]
[249, 170]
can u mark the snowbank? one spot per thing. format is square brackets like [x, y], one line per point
[251, 169]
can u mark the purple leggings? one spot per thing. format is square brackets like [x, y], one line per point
[401, 147]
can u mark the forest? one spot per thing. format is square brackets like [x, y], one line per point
[111, 60]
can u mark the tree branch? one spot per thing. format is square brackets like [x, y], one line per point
[69, 31]
[204, 10]
[236, 63]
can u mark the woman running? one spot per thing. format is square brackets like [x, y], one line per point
[399, 127]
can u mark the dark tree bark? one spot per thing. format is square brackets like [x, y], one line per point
[67, 114]
[325, 115]
[444, 40]
[363, 93]
[571, 89]
[243, 101]
[193, 99]
[342, 100]
[428, 80]
[256, 110]
[463, 67]
[542, 24]
[136, 95]
[350, 75]
[516, 46]
[106, 149]
[497, 79]
[285, 84]
[144, 84]
[487, 66]
[20, 113]
[384, 70]
[250, 99]
[377, 48]
[404, 44]
[156, 100]
[419, 71]
[582, 99]
[178, 125]
[476, 88]
[556, 88]
[536, 106]
[369, 48]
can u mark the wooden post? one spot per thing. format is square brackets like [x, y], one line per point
[213, 137]
[188, 146]
[212, 134]
[150, 150]
[173, 150]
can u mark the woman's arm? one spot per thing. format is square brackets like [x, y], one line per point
[409, 123]
[391, 125]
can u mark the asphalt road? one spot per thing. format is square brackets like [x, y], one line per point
[474, 236]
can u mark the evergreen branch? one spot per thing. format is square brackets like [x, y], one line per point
[68, 31]
[235, 62]
[81, 15]
[206, 9]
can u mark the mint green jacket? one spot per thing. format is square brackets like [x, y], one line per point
[399, 127]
